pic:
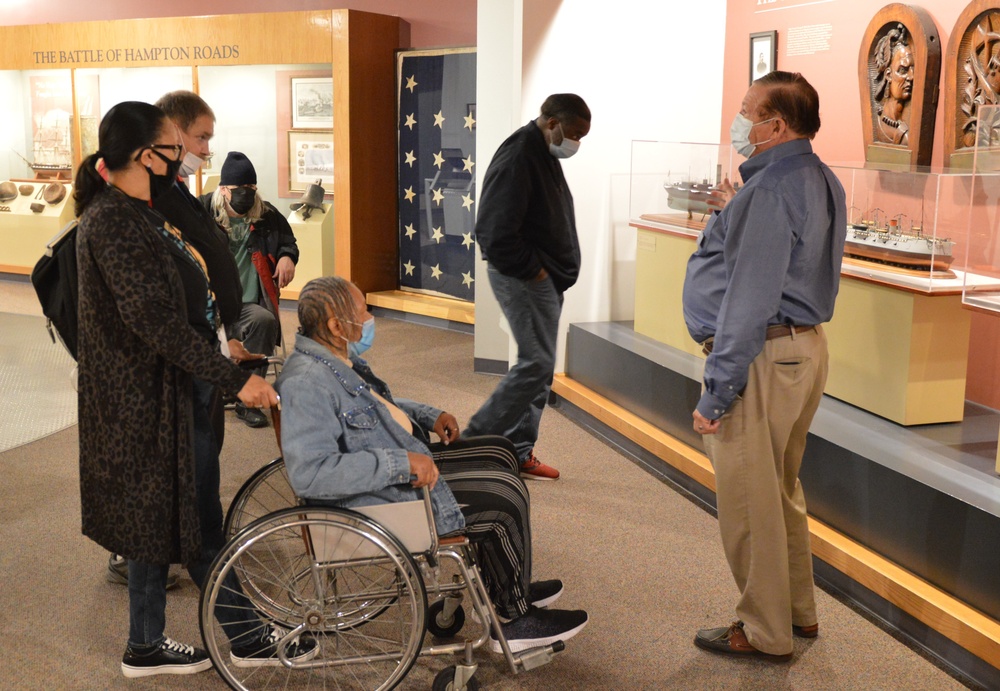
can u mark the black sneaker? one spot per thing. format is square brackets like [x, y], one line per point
[544, 593]
[170, 657]
[264, 651]
[118, 572]
[251, 416]
[540, 627]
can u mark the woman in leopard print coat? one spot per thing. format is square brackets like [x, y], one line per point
[139, 345]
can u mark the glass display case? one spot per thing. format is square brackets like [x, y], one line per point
[670, 183]
[982, 286]
[909, 230]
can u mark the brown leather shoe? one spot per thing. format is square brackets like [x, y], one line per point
[806, 631]
[732, 640]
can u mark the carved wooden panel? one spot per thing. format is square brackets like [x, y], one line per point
[972, 78]
[898, 68]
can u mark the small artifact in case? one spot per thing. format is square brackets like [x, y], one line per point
[25, 190]
[54, 192]
[8, 192]
[37, 208]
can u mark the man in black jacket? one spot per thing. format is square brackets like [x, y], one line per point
[264, 247]
[526, 229]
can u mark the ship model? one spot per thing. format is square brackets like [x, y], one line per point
[883, 240]
[691, 197]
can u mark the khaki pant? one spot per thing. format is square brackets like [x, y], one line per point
[762, 509]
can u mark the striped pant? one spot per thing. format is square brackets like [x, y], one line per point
[483, 474]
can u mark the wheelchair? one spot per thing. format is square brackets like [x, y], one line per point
[366, 584]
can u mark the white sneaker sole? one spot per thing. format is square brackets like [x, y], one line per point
[131, 672]
[539, 478]
[518, 645]
[546, 601]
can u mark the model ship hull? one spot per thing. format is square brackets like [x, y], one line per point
[901, 249]
[689, 196]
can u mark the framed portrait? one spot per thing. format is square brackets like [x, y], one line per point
[310, 159]
[763, 53]
[312, 102]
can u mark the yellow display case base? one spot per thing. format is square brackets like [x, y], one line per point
[899, 354]
[314, 236]
[949, 616]
[424, 305]
[25, 232]
[660, 264]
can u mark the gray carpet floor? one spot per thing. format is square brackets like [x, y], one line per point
[644, 561]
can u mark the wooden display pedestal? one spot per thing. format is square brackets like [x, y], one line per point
[899, 354]
[26, 233]
[314, 236]
[660, 264]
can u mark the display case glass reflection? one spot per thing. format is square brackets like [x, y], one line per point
[909, 229]
[984, 215]
[670, 183]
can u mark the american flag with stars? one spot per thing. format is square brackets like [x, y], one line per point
[437, 158]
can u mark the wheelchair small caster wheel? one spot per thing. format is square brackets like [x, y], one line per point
[445, 681]
[441, 626]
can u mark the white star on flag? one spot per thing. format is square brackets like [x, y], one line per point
[410, 121]
[467, 240]
[410, 231]
[467, 201]
[410, 158]
[467, 164]
[411, 83]
[409, 194]
[469, 121]
[438, 196]
[439, 119]
[467, 279]
[409, 268]
[438, 159]
[438, 235]
[436, 271]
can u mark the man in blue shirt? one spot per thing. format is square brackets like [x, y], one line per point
[764, 277]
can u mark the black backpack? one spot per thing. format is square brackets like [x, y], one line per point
[54, 279]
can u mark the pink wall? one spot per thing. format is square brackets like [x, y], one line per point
[834, 73]
[433, 23]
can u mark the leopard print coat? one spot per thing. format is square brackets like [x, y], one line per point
[137, 353]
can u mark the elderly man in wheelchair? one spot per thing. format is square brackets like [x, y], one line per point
[360, 587]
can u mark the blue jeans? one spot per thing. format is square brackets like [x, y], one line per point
[514, 410]
[147, 583]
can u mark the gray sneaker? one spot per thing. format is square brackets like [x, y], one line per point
[118, 572]
[540, 627]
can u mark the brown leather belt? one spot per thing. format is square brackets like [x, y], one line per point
[773, 332]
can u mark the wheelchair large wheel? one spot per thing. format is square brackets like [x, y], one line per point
[265, 492]
[321, 573]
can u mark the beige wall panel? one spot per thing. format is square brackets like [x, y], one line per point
[660, 264]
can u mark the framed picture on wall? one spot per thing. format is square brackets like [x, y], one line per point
[310, 159]
[312, 102]
[763, 53]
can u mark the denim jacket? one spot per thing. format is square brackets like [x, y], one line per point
[340, 443]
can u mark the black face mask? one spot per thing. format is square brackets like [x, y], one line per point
[161, 184]
[241, 199]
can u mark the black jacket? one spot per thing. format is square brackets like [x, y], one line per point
[185, 213]
[526, 220]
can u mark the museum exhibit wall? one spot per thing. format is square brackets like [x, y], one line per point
[634, 68]
[432, 22]
[822, 42]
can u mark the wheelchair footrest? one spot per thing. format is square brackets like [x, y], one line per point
[536, 657]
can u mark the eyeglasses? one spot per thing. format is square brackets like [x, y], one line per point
[176, 148]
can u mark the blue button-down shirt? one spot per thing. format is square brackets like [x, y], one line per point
[771, 256]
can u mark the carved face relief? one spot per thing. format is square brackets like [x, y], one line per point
[900, 73]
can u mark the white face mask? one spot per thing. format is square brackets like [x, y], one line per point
[567, 148]
[739, 134]
[190, 164]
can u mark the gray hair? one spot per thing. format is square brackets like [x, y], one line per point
[255, 213]
[320, 299]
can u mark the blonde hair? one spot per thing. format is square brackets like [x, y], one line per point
[255, 213]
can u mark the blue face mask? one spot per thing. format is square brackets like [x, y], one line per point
[367, 339]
